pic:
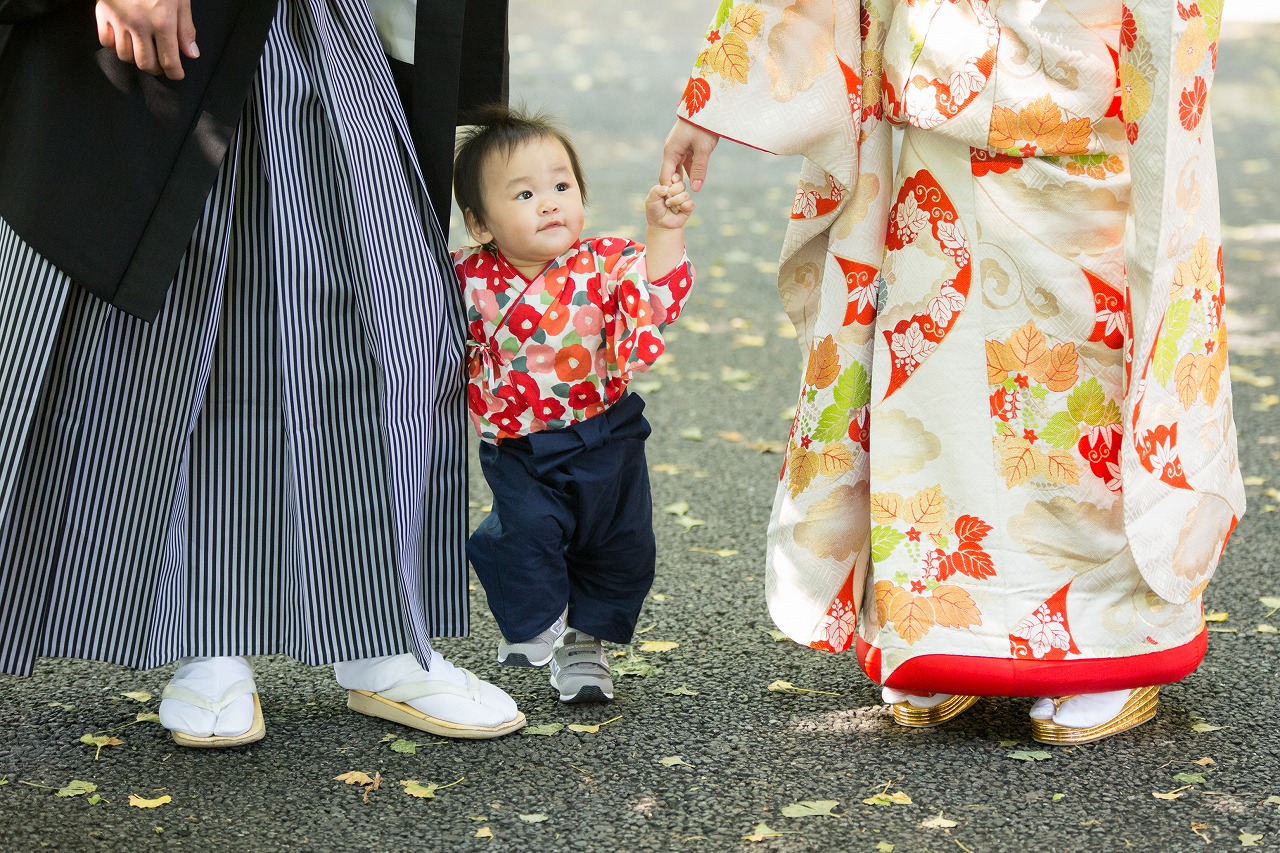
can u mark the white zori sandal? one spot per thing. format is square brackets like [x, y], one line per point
[447, 701]
[196, 719]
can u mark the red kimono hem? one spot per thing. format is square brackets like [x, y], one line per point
[979, 676]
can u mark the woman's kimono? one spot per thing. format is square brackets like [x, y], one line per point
[1013, 466]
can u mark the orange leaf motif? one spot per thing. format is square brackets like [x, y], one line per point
[1028, 349]
[802, 466]
[885, 592]
[835, 459]
[1189, 378]
[1075, 137]
[885, 507]
[1041, 122]
[824, 364]
[1000, 362]
[912, 616]
[969, 560]
[924, 509]
[971, 528]
[730, 58]
[1004, 129]
[1061, 369]
[696, 95]
[954, 608]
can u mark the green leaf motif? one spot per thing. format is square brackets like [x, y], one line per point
[832, 425]
[1061, 431]
[1166, 359]
[722, 14]
[883, 540]
[1086, 402]
[853, 388]
[1175, 319]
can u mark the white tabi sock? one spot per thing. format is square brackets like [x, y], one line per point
[492, 707]
[895, 697]
[1083, 711]
[210, 677]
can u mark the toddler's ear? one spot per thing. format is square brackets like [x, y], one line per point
[476, 228]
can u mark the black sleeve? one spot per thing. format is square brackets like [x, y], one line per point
[18, 11]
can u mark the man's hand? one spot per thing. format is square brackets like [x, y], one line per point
[151, 34]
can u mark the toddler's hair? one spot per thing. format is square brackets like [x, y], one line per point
[500, 128]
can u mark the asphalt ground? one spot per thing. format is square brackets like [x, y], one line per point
[744, 753]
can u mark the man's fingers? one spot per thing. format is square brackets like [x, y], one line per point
[187, 31]
[106, 33]
[124, 46]
[169, 54]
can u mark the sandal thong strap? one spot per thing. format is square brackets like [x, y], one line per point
[243, 687]
[412, 690]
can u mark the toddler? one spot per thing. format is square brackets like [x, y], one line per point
[557, 325]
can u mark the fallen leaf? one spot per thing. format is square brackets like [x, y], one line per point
[1176, 793]
[647, 386]
[695, 325]
[719, 552]
[137, 695]
[682, 690]
[1273, 603]
[544, 729]
[1201, 728]
[763, 831]
[778, 636]
[100, 741]
[1248, 839]
[689, 523]
[533, 818]
[666, 468]
[483, 832]
[811, 808]
[691, 434]
[405, 747]
[731, 435]
[389, 738]
[781, 686]
[658, 646]
[1266, 629]
[659, 596]
[1030, 755]
[94, 799]
[748, 341]
[143, 803]
[884, 847]
[148, 717]
[765, 446]
[414, 788]
[1205, 762]
[1199, 829]
[75, 788]
[886, 799]
[354, 777]
[938, 822]
[591, 729]
[1009, 742]
[1057, 797]
[1272, 800]
[673, 761]
[1216, 616]
[1214, 630]
[4, 780]
[1190, 778]
[1254, 480]
[677, 508]
[634, 666]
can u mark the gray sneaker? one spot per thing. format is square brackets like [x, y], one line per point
[579, 669]
[535, 652]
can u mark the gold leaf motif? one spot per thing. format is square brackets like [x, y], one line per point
[885, 507]
[1041, 121]
[730, 58]
[1019, 460]
[1004, 129]
[1075, 137]
[1061, 369]
[836, 459]
[746, 20]
[1000, 362]
[924, 510]
[802, 468]
[1028, 349]
[1060, 467]
[800, 47]
[1189, 378]
[912, 616]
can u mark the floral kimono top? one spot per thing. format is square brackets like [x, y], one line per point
[551, 351]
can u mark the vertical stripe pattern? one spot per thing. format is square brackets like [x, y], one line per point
[277, 464]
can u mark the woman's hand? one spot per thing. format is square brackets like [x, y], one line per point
[151, 34]
[687, 150]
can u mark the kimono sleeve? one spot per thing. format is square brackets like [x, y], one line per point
[1180, 464]
[785, 77]
[642, 308]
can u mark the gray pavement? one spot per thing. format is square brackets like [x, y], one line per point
[748, 753]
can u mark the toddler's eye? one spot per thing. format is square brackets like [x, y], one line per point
[525, 195]
[562, 186]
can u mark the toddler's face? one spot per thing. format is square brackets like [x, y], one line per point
[532, 204]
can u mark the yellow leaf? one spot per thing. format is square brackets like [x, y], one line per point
[483, 832]
[780, 686]
[953, 607]
[1176, 793]
[746, 20]
[416, 789]
[939, 822]
[592, 729]
[658, 646]
[801, 468]
[1060, 370]
[355, 777]
[761, 832]
[731, 435]
[1060, 467]
[143, 803]
[1075, 137]
[533, 818]
[924, 509]
[1019, 460]
[1041, 121]
[835, 460]
[1216, 616]
[1189, 378]
[137, 695]
[823, 366]
[897, 798]
[730, 58]
[1027, 348]
[912, 617]
[1004, 129]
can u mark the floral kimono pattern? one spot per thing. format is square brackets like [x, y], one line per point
[547, 352]
[1013, 465]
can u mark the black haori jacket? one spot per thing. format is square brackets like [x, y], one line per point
[105, 170]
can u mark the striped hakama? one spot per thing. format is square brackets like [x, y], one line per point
[276, 465]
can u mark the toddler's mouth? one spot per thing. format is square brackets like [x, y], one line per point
[550, 225]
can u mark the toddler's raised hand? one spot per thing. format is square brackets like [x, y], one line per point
[668, 206]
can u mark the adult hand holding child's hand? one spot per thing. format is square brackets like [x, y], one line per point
[668, 206]
[151, 34]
